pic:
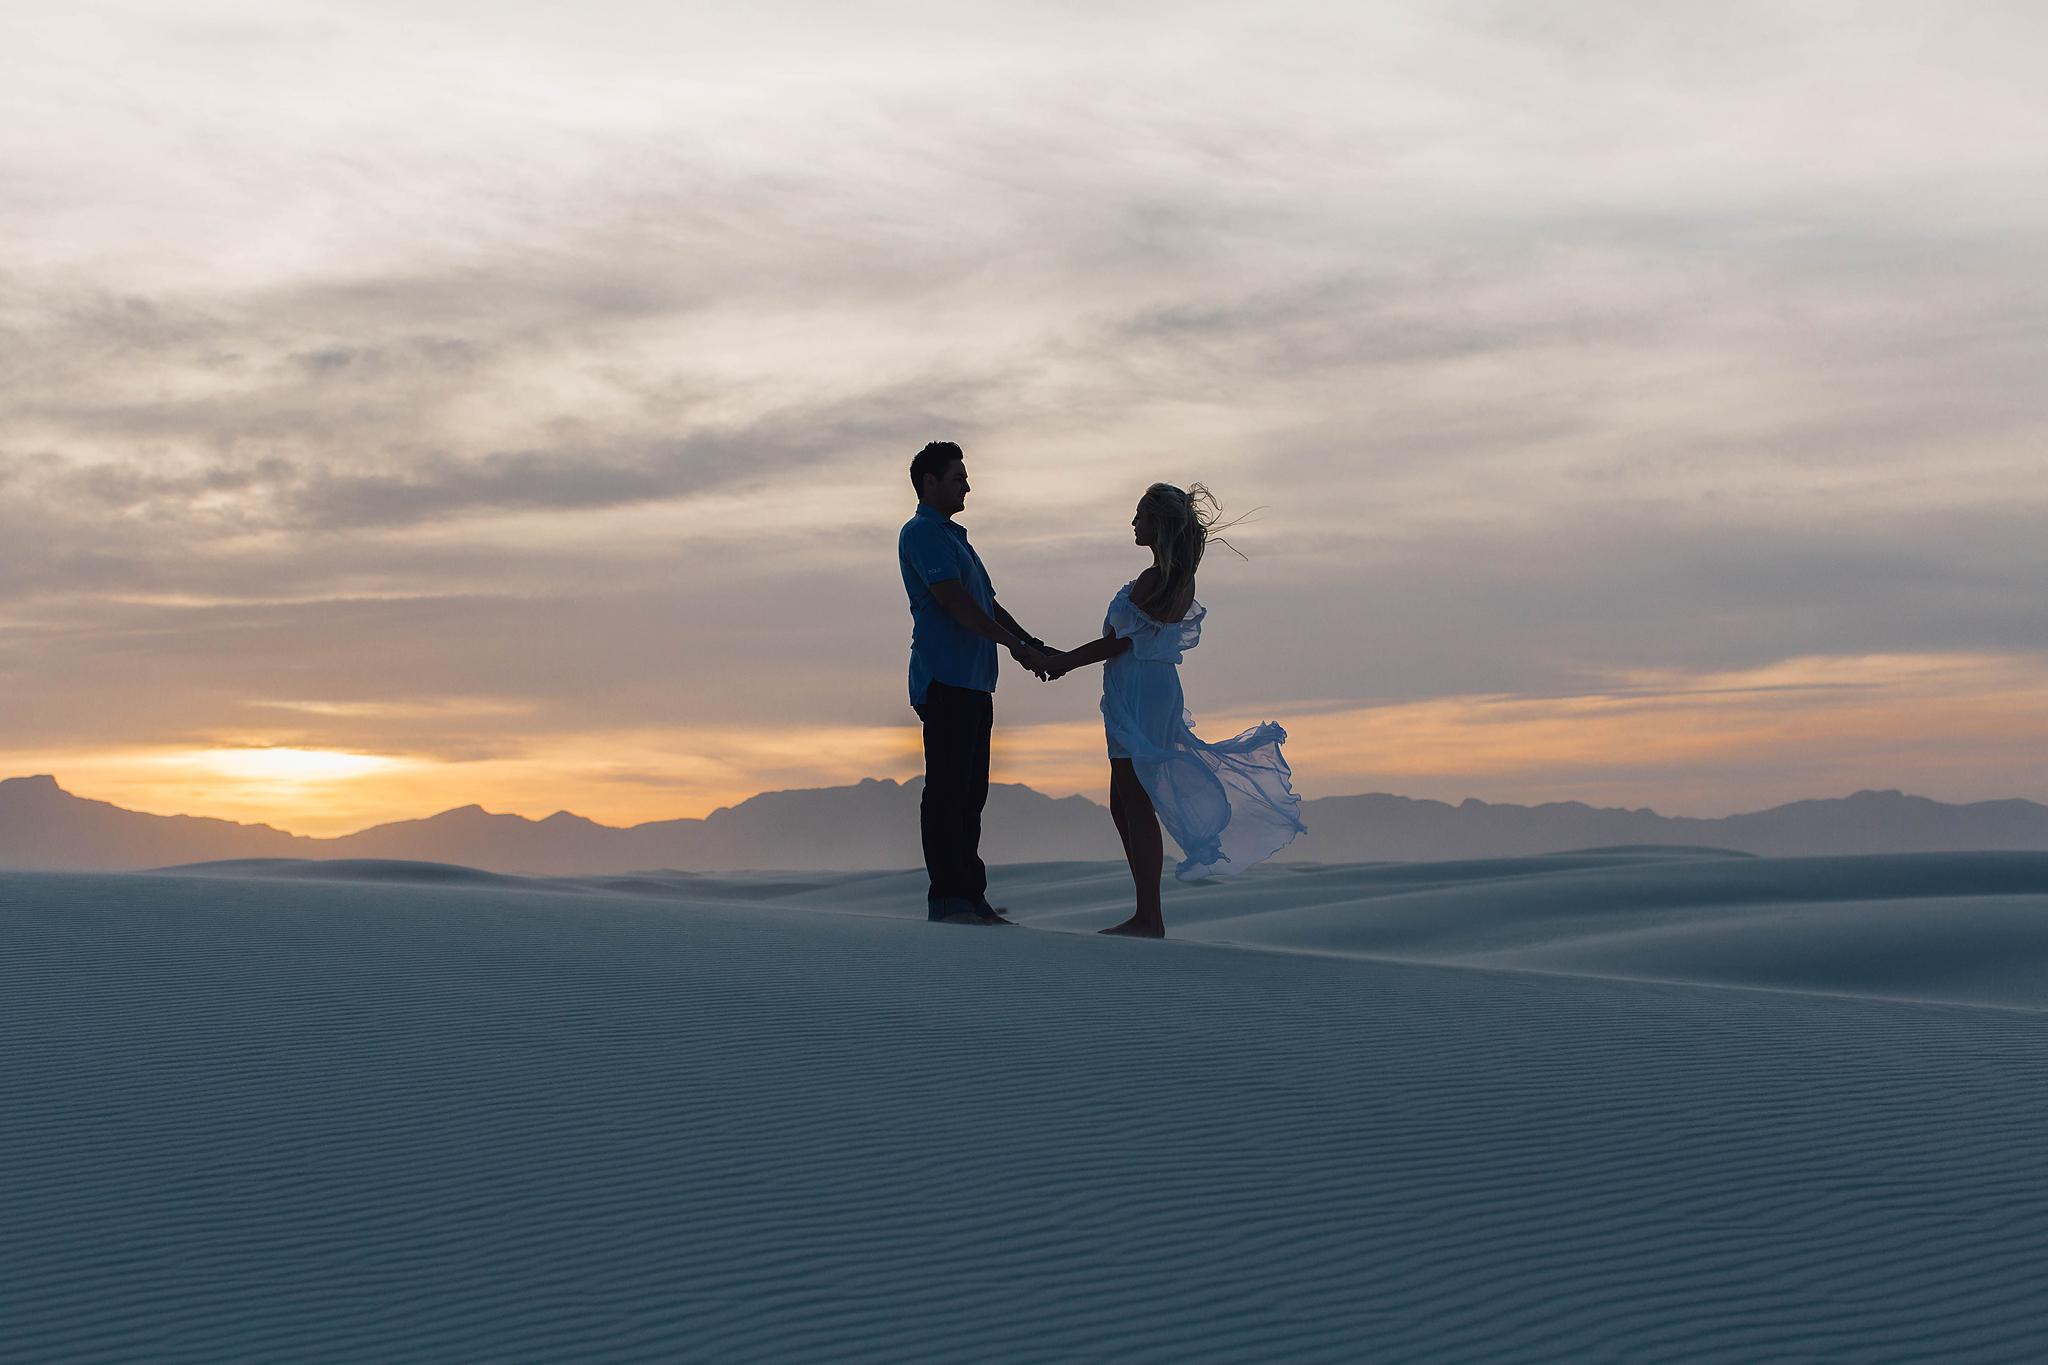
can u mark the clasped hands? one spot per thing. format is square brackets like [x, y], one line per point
[1042, 659]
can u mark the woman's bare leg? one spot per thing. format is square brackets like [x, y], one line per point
[1117, 813]
[1137, 824]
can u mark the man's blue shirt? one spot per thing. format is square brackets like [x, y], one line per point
[931, 549]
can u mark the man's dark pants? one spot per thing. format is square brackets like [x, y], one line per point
[957, 721]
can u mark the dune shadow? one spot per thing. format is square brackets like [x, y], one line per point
[395, 870]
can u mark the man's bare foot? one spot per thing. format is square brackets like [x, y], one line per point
[971, 917]
[1136, 928]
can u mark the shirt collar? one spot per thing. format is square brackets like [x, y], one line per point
[925, 509]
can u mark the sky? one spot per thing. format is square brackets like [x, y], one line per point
[408, 405]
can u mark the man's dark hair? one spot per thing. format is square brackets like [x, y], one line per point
[936, 458]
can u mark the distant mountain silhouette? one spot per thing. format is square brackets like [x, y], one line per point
[874, 825]
[869, 825]
[1344, 829]
[42, 825]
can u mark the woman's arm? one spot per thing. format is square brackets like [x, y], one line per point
[1094, 652]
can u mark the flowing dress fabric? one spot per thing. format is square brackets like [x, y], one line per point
[1227, 805]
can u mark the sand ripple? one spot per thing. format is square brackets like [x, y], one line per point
[298, 1120]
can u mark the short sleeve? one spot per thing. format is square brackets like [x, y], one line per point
[929, 553]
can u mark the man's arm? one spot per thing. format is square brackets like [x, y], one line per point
[1009, 622]
[952, 594]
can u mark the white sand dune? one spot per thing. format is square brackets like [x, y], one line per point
[1505, 1111]
[1959, 927]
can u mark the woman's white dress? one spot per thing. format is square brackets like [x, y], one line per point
[1227, 805]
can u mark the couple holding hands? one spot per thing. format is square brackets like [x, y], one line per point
[1227, 805]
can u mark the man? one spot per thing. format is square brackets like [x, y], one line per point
[956, 626]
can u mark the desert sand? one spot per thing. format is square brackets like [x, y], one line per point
[1627, 1106]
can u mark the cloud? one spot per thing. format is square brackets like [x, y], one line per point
[395, 359]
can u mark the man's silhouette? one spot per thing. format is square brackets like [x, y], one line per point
[957, 625]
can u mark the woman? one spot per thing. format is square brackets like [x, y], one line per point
[1227, 805]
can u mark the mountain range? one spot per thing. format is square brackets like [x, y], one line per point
[873, 825]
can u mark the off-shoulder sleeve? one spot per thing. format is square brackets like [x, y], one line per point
[1150, 639]
[1126, 621]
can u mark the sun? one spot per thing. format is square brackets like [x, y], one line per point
[289, 765]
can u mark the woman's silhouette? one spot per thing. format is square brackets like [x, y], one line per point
[1227, 805]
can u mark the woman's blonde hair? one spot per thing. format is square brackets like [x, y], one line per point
[1184, 521]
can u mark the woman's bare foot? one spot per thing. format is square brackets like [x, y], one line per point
[1136, 928]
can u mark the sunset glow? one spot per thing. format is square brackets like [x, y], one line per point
[1709, 744]
[288, 767]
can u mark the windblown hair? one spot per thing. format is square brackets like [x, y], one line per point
[1185, 521]
[936, 458]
